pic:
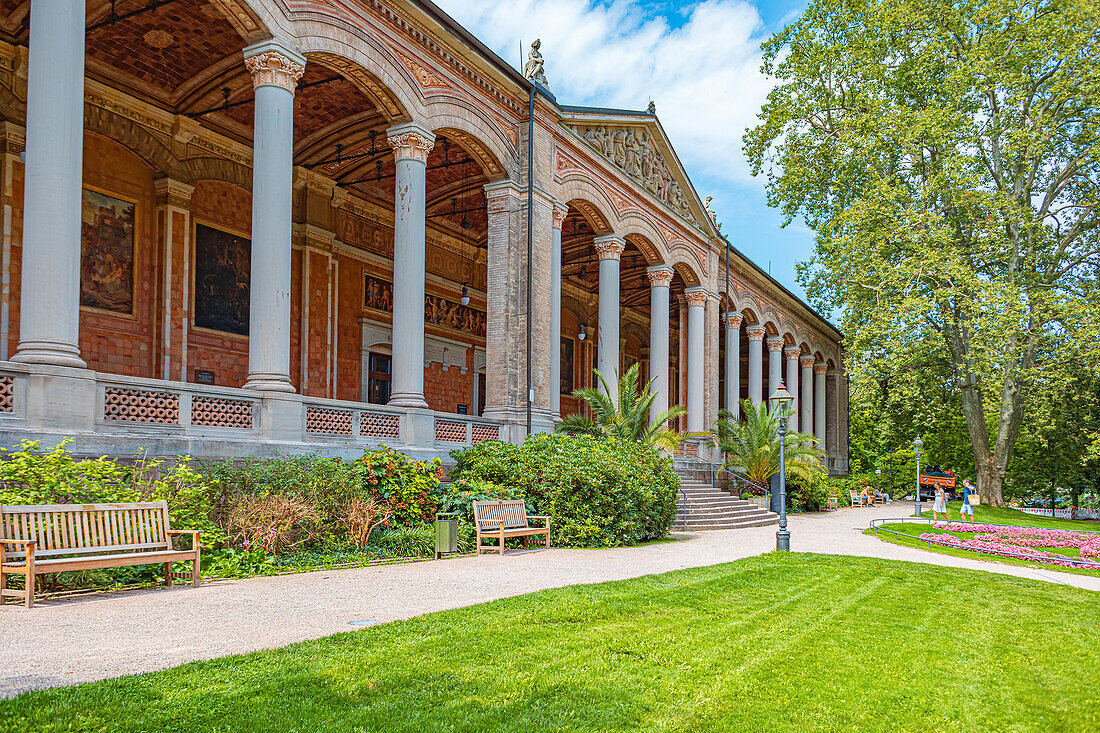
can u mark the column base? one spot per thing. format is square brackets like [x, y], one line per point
[407, 399]
[49, 352]
[268, 382]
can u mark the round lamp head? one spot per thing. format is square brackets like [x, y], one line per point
[465, 299]
[580, 334]
[918, 444]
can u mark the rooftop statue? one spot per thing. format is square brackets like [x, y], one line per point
[534, 68]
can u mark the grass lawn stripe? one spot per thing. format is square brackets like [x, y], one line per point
[776, 642]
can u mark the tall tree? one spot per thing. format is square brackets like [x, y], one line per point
[946, 156]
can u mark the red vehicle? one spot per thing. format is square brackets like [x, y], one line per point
[934, 478]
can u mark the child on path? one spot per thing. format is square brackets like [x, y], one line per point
[966, 509]
[940, 506]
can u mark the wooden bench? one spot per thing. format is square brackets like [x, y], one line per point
[52, 538]
[500, 520]
[832, 504]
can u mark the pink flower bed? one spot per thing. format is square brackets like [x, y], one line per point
[1019, 541]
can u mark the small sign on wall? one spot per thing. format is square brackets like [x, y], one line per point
[463, 409]
[204, 376]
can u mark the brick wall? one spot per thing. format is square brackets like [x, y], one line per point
[229, 207]
[446, 390]
[112, 342]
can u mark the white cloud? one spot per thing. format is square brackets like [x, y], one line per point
[703, 74]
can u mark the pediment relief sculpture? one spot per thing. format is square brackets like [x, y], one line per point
[633, 152]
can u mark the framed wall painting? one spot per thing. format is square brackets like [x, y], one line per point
[566, 374]
[107, 226]
[223, 268]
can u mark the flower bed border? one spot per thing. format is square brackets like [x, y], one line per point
[877, 524]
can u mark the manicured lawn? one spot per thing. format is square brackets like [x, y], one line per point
[778, 642]
[1006, 515]
[917, 528]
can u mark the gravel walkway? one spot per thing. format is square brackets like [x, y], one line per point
[66, 641]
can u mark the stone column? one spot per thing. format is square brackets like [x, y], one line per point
[807, 400]
[696, 301]
[411, 145]
[558, 213]
[660, 278]
[275, 73]
[819, 404]
[733, 364]
[609, 248]
[49, 312]
[756, 363]
[792, 353]
[775, 364]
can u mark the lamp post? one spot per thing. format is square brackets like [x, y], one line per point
[779, 400]
[917, 445]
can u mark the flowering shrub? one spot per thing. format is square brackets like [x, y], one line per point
[598, 492]
[408, 486]
[459, 497]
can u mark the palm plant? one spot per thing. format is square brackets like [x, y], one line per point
[751, 446]
[625, 418]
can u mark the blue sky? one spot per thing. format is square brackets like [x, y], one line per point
[698, 61]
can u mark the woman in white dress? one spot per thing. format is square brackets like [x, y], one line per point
[940, 505]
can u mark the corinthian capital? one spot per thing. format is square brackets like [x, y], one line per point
[775, 343]
[733, 320]
[609, 247]
[756, 332]
[559, 212]
[660, 276]
[410, 142]
[806, 362]
[695, 297]
[274, 65]
[792, 352]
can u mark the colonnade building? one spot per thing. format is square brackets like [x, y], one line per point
[244, 226]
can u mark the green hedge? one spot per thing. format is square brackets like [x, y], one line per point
[598, 492]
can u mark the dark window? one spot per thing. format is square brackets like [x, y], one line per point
[378, 385]
[480, 394]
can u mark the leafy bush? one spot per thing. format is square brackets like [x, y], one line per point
[415, 540]
[598, 492]
[33, 475]
[808, 495]
[459, 497]
[408, 486]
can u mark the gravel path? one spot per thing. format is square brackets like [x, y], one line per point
[66, 641]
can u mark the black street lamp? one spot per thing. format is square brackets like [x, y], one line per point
[917, 445]
[779, 400]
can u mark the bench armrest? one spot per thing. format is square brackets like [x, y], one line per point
[544, 517]
[29, 543]
[193, 532]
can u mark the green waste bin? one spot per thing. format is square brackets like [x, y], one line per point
[446, 533]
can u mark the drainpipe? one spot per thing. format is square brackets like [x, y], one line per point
[530, 236]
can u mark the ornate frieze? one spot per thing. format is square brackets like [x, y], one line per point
[633, 152]
[378, 295]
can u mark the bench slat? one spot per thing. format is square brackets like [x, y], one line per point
[75, 508]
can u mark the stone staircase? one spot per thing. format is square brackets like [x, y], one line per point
[705, 507]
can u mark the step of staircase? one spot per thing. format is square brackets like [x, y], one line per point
[703, 507]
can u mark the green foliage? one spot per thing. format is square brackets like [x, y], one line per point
[459, 497]
[750, 446]
[598, 492]
[407, 485]
[624, 416]
[654, 653]
[808, 493]
[414, 540]
[945, 155]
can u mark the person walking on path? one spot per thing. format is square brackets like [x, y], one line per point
[966, 509]
[940, 505]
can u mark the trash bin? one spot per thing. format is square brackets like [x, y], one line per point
[446, 533]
